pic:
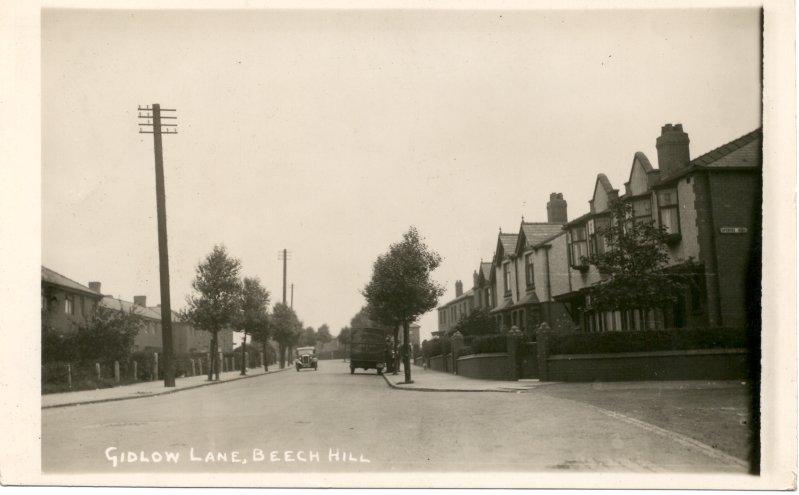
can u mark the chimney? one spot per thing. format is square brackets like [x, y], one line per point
[140, 301]
[672, 146]
[458, 288]
[556, 209]
[95, 286]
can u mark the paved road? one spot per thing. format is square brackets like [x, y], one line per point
[312, 415]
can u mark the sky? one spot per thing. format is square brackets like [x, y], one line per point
[330, 133]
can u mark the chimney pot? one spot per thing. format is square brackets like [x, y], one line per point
[458, 288]
[95, 286]
[140, 301]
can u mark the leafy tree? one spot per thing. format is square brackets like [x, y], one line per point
[307, 337]
[478, 322]
[284, 324]
[323, 334]
[253, 312]
[343, 337]
[401, 289]
[108, 336]
[215, 303]
[634, 263]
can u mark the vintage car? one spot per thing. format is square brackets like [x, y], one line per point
[306, 358]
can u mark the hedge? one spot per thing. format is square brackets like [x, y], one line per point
[648, 341]
[482, 344]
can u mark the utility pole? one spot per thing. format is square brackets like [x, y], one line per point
[292, 296]
[152, 118]
[284, 255]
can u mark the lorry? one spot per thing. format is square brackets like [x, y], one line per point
[367, 349]
[306, 358]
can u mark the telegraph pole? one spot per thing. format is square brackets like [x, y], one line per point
[152, 118]
[284, 255]
[292, 296]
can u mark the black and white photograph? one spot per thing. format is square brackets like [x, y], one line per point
[402, 246]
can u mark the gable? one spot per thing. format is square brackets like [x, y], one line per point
[639, 182]
[602, 190]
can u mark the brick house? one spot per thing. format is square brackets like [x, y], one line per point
[67, 305]
[710, 207]
[453, 311]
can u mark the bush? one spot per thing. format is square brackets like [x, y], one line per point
[489, 343]
[465, 351]
[436, 347]
[478, 322]
[648, 341]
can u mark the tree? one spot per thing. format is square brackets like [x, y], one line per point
[401, 290]
[633, 264]
[308, 337]
[343, 337]
[108, 336]
[284, 324]
[323, 334]
[252, 313]
[215, 303]
[478, 322]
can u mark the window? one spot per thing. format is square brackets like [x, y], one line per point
[528, 271]
[642, 210]
[669, 211]
[69, 305]
[578, 247]
[506, 277]
[490, 297]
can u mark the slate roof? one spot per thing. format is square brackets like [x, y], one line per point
[537, 232]
[55, 278]
[485, 269]
[508, 242]
[713, 156]
[126, 306]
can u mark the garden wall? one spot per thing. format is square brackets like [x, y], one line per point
[492, 366]
[706, 364]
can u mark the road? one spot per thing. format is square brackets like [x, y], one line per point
[273, 422]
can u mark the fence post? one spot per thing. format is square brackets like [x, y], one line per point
[69, 376]
[246, 361]
[542, 335]
[97, 369]
[194, 367]
[456, 342]
[260, 358]
[116, 371]
[155, 366]
[221, 364]
[514, 337]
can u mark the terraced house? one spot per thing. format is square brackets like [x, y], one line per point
[709, 206]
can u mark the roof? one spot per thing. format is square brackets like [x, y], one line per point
[721, 158]
[508, 241]
[528, 298]
[713, 156]
[55, 278]
[535, 233]
[153, 313]
[485, 269]
[550, 238]
[467, 294]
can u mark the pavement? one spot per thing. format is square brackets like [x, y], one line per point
[331, 421]
[143, 389]
[436, 381]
